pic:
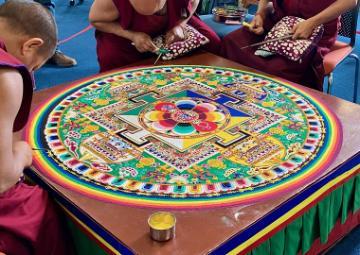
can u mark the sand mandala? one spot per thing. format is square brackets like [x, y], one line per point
[183, 137]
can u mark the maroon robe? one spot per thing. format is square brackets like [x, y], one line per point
[310, 71]
[28, 221]
[114, 51]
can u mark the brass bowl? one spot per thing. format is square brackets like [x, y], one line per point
[229, 13]
[162, 226]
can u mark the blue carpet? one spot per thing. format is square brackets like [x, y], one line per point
[350, 245]
[71, 20]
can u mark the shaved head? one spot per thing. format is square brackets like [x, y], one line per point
[27, 18]
[147, 7]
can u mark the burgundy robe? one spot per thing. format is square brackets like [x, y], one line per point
[28, 221]
[310, 71]
[114, 51]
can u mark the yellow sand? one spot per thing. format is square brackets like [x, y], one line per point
[161, 220]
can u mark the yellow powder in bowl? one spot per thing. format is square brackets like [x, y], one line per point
[161, 220]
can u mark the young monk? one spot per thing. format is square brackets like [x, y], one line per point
[125, 28]
[310, 71]
[28, 223]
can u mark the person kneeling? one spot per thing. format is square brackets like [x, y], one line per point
[125, 28]
[309, 71]
[29, 223]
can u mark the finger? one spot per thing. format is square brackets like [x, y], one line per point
[167, 37]
[295, 28]
[150, 47]
[182, 34]
[141, 49]
[170, 40]
[296, 35]
[252, 24]
[258, 30]
[257, 23]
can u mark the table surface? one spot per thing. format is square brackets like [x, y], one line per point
[198, 231]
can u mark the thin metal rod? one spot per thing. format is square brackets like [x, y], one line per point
[267, 41]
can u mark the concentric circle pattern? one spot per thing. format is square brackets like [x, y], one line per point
[183, 137]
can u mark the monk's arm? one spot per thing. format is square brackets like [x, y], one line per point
[194, 6]
[14, 156]
[104, 15]
[305, 28]
[333, 11]
[263, 8]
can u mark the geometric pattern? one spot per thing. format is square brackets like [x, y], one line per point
[183, 137]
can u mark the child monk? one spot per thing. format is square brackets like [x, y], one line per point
[310, 71]
[125, 28]
[28, 222]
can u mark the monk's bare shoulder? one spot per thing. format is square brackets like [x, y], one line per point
[103, 11]
[11, 93]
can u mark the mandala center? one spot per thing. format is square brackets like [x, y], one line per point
[185, 116]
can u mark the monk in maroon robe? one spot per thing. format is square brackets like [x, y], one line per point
[124, 28]
[28, 222]
[310, 71]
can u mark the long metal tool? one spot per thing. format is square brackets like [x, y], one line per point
[267, 41]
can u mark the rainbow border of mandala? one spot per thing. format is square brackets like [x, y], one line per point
[46, 165]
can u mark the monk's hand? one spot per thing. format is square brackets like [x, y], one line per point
[143, 42]
[303, 30]
[175, 34]
[257, 25]
[23, 153]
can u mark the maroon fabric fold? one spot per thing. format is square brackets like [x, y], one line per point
[29, 223]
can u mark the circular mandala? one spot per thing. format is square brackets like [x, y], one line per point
[184, 117]
[183, 137]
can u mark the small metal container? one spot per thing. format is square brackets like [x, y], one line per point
[162, 226]
[229, 13]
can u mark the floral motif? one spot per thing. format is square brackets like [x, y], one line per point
[144, 162]
[185, 117]
[215, 163]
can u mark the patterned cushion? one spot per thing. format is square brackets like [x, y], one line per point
[294, 50]
[193, 39]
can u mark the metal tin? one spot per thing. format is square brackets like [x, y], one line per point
[229, 13]
[162, 226]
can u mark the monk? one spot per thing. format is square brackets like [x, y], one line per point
[310, 71]
[28, 222]
[125, 28]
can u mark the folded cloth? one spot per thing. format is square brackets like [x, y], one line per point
[30, 224]
[294, 50]
[193, 40]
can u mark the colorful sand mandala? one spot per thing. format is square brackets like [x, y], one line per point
[183, 137]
